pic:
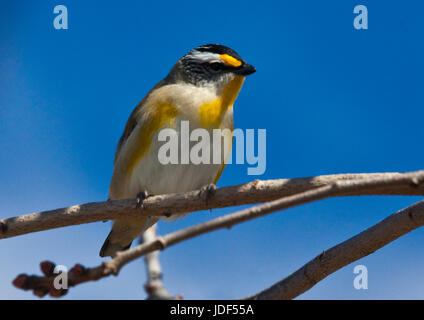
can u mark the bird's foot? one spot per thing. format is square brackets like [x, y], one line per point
[141, 196]
[207, 191]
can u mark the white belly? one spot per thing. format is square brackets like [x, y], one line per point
[156, 178]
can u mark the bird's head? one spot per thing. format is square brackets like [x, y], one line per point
[210, 65]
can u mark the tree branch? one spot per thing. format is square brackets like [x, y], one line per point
[340, 187]
[357, 247]
[253, 192]
[154, 286]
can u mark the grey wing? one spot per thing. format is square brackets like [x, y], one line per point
[132, 122]
[129, 127]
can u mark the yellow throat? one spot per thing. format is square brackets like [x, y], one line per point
[211, 112]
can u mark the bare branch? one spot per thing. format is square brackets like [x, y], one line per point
[357, 247]
[337, 188]
[42, 285]
[253, 192]
[154, 286]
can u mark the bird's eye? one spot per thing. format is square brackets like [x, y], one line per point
[215, 66]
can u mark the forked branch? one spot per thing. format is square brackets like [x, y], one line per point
[339, 187]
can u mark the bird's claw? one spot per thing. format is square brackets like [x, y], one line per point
[207, 191]
[141, 196]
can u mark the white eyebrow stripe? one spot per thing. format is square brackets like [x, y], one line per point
[204, 56]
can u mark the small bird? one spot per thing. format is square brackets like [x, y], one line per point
[200, 88]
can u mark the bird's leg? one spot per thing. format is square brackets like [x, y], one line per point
[207, 191]
[141, 196]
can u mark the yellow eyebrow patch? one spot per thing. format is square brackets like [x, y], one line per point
[230, 60]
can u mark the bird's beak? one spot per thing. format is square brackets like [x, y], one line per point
[245, 69]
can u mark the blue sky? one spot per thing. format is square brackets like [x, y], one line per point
[332, 99]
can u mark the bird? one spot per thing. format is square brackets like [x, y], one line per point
[200, 89]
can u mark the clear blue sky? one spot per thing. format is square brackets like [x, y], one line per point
[333, 100]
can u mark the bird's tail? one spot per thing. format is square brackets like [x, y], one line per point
[123, 232]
